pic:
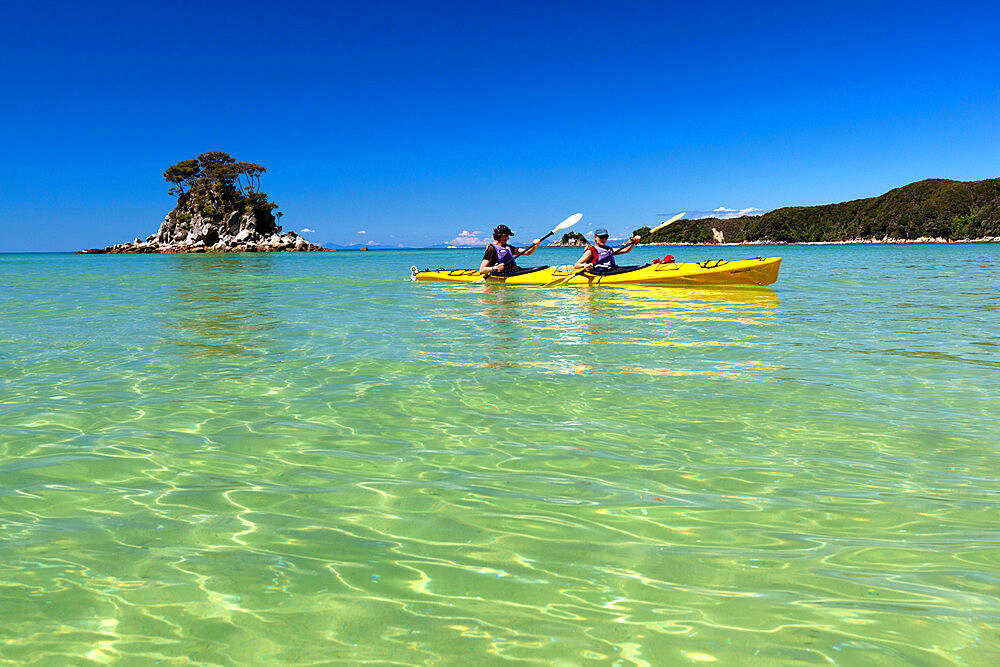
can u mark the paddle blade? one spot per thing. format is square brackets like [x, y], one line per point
[664, 224]
[568, 222]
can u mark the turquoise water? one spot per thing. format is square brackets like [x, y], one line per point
[306, 458]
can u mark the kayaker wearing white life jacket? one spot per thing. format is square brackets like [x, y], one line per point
[499, 257]
[599, 257]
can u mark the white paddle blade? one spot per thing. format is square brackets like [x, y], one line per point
[568, 222]
[664, 224]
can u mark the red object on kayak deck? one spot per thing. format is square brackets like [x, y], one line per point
[669, 259]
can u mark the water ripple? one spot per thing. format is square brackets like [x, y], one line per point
[300, 460]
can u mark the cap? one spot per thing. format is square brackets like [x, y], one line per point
[499, 230]
[601, 231]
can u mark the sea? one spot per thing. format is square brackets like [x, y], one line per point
[306, 458]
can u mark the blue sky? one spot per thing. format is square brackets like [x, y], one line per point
[414, 122]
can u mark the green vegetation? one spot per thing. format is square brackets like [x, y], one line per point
[573, 238]
[215, 185]
[935, 208]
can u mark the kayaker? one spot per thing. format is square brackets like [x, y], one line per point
[499, 257]
[599, 257]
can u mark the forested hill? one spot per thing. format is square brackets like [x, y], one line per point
[934, 208]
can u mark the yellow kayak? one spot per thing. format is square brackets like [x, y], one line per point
[757, 271]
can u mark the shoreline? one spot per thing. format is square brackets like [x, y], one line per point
[882, 241]
[289, 242]
[144, 248]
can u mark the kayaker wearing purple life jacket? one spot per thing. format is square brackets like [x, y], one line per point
[599, 257]
[499, 257]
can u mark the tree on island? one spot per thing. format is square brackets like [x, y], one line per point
[218, 198]
[574, 238]
[216, 183]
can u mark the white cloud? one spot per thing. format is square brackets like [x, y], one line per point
[725, 213]
[468, 238]
[362, 231]
[306, 230]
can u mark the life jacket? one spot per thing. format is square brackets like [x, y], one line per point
[604, 258]
[504, 254]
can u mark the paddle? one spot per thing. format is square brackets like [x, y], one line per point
[568, 222]
[620, 248]
[652, 231]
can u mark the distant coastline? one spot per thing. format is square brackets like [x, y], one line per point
[928, 211]
[873, 241]
[221, 208]
[615, 242]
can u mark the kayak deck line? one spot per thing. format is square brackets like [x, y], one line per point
[757, 271]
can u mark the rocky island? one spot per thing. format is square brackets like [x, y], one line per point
[570, 239]
[220, 208]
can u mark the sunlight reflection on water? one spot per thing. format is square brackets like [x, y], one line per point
[300, 459]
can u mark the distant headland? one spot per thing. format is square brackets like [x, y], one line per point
[220, 208]
[930, 211]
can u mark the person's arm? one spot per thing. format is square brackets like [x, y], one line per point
[487, 266]
[628, 247]
[533, 248]
[584, 261]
